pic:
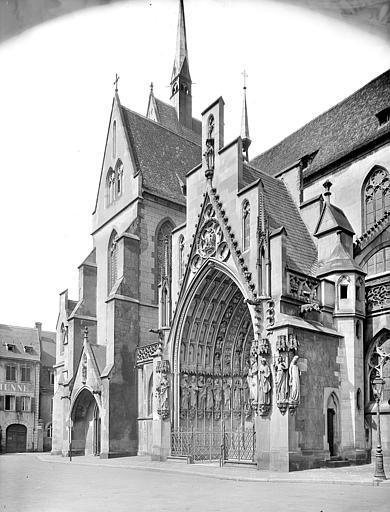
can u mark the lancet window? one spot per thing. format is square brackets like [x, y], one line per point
[150, 396]
[379, 262]
[164, 251]
[114, 140]
[246, 209]
[376, 196]
[112, 260]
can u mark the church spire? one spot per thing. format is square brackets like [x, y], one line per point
[181, 78]
[246, 141]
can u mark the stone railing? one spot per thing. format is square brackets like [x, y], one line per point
[377, 296]
[145, 354]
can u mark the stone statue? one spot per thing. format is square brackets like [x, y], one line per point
[217, 394]
[201, 394]
[294, 381]
[281, 380]
[237, 395]
[209, 394]
[209, 153]
[264, 385]
[252, 379]
[226, 394]
[162, 391]
[184, 393]
[193, 392]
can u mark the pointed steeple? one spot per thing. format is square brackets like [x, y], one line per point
[180, 64]
[246, 141]
[181, 79]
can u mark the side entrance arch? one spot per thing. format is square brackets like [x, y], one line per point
[86, 429]
[332, 425]
[16, 438]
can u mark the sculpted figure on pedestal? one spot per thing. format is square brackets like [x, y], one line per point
[264, 386]
[294, 383]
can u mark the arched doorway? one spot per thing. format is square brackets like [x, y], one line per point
[16, 438]
[86, 425]
[211, 366]
[332, 429]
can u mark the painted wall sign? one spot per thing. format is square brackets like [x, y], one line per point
[16, 388]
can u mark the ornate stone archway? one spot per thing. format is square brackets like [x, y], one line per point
[211, 356]
[86, 422]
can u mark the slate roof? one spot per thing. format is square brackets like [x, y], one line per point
[335, 133]
[160, 154]
[282, 211]
[340, 221]
[20, 337]
[167, 116]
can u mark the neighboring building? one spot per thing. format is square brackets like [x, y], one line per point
[27, 356]
[225, 301]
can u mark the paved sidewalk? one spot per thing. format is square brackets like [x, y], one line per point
[351, 475]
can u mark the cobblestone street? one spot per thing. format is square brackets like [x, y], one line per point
[31, 482]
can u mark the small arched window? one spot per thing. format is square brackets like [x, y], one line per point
[49, 430]
[246, 210]
[62, 338]
[114, 140]
[110, 187]
[119, 178]
[376, 196]
[343, 287]
[112, 261]
[150, 396]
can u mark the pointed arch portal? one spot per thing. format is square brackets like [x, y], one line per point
[86, 424]
[211, 356]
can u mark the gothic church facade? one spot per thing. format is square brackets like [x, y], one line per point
[230, 302]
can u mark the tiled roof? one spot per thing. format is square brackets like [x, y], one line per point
[167, 116]
[335, 133]
[20, 337]
[160, 155]
[282, 211]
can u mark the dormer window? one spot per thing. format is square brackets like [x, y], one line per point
[28, 349]
[10, 347]
[383, 116]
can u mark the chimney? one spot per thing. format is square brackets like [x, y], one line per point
[38, 325]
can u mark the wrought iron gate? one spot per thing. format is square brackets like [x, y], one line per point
[238, 446]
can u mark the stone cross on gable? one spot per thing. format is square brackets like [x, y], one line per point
[116, 82]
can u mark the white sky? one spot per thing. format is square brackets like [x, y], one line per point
[55, 99]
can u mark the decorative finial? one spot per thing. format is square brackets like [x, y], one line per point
[246, 141]
[117, 77]
[327, 185]
[85, 333]
[151, 87]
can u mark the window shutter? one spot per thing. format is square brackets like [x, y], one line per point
[18, 404]
[1, 402]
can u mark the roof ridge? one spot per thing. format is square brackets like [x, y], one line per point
[343, 101]
[161, 126]
[19, 327]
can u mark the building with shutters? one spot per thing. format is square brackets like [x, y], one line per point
[230, 301]
[26, 388]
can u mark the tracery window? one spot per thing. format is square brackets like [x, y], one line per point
[376, 196]
[112, 261]
[164, 251]
[379, 262]
[246, 209]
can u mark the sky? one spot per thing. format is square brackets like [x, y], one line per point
[55, 100]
